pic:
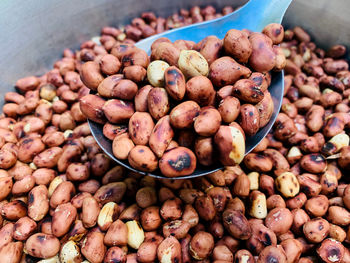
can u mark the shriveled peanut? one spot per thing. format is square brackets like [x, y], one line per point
[146, 197]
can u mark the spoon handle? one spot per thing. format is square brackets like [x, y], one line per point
[259, 13]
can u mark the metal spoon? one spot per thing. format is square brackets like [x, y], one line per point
[254, 15]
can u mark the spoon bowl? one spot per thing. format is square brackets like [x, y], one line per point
[254, 16]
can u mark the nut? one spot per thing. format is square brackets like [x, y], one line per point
[287, 184]
[70, 252]
[155, 72]
[192, 63]
[258, 207]
[107, 215]
[254, 180]
[135, 234]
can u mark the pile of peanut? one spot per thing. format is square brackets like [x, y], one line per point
[187, 102]
[62, 200]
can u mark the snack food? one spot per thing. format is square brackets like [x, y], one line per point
[189, 91]
[70, 177]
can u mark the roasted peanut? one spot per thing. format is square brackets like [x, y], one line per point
[201, 90]
[236, 43]
[178, 161]
[316, 229]
[161, 136]
[192, 63]
[201, 245]
[90, 211]
[107, 215]
[156, 71]
[23, 228]
[63, 217]
[41, 245]
[93, 248]
[142, 158]
[205, 207]
[258, 207]
[158, 102]
[38, 203]
[230, 143]
[169, 250]
[112, 192]
[171, 209]
[279, 220]
[135, 234]
[174, 83]
[236, 224]
[287, 184]
[331, 251]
